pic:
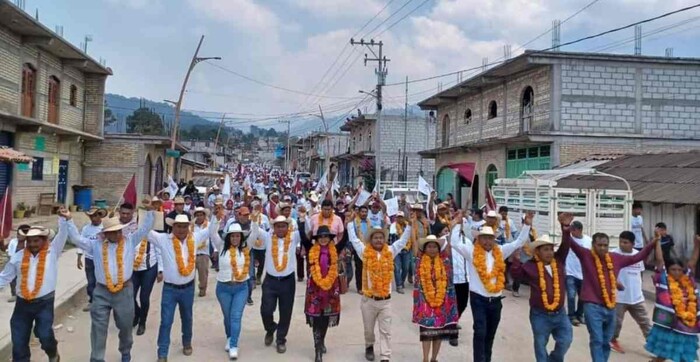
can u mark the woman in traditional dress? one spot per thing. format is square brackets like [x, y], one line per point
[322, 306]
[434, 297]
[232, 282]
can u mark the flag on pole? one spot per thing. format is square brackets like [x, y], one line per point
[490, 201]
[129, 194]
[172, 185]
[227, 187]
[6, 214]
[322, 182]
[424, 186]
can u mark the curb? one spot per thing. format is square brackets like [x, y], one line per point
[69, 300]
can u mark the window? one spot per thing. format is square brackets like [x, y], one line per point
[369, 140]
[527, 159]
[491, 175]
[38, 169]
[28, 90]
[73, 95]
[493, 110]
[467, 116]
[526, 108]
[54, 99]
[446, 131]
[206, 144]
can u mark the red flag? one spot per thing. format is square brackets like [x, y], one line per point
[130, 191]
[490, 201]
[297, 187]
[6, 214]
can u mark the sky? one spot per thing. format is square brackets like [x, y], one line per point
[281, 59]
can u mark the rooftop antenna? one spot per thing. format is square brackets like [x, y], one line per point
[36, 14]
[88, 38]
[507, 51]
[484, 63]
[669, 52]
[638, 40]
[20, 4]
[59, 30]
[556, 34]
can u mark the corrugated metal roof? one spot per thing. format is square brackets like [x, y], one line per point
[653, 177]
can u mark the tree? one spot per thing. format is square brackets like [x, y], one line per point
[109, 117]
[146, 122]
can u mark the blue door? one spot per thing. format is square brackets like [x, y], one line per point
[62, 181]
[5, 168]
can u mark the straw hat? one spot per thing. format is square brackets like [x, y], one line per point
[442, 205]
[281, 206]
[400, 214]
[95, 210]
[179, 219]
[178, 200]
[428, 239]
[541, 240]
[219, 200]
[486, 231]
[374, 230]
[313, 197]
[201, 209]
[235, 228]
[37, 231]
[417, 206]
[280, 219]
[491, 213]
[111, 224]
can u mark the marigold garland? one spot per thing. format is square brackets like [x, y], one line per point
[38, 279]
[685, 310]
[555, 285]
[275, 251]
[141, 253]
[507, 228]
[323, 221]
[204, 225]
[325, 283]
[608, 298]
[113, 288]
[444, 220]
[239, 276]
[177, 246]
[498, 271]
[378, 271]
[433, 280]
[358, 229]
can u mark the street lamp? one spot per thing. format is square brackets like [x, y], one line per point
[195, 60]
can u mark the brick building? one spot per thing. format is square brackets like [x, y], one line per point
[544, 109]
[401, 140]
[110, 164]
[318, 145]
[206, 152]
[51, 107]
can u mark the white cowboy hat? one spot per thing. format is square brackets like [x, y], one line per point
[112, 224]
[417, 206]
[400, 214]
[37, 231]
[282, 205]
[487, 231]
[374, 230]
[201, 209]
[279, 219]
[179, 219]
[427, 239]
[491, 213]
[95, 210]
[313, 197]
[541, 241]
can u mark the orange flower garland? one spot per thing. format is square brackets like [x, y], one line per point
[113, 288]
[177, 246]
[325, 283]
[275, 251]
[323, 221]
[38, 279]
[434, 292]
[205, 225]
[141, 254]
[608, 298]
[686, 311]
[380, 271]
[239, 275]
[358, 229]
[498, 271]
[555, 285]
[444, 220]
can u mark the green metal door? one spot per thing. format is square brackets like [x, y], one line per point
[446, 181]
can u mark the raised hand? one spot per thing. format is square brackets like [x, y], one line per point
[148, 205]
[64, 213]
[565, 218]
[528, 218]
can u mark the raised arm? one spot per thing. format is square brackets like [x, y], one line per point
[357, 244]
[8, 274]
[59, 241]
[524, 236]
[431, 209]
[143, 230]
[75, 237]
[659, 253]
[397, 246]
[214, 237]
[565, 246]
[627, 260]
[465, 249]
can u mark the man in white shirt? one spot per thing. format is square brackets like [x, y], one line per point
[257, 246]
[460, 276]
[15, 245]
[485, 295]
[358, 229]
[377, 212]
[376, 303]
[114, 290]
[574, 275]
[630, 297]
[34, 309]
[178, 252]
[279, 286]
[90, 231]
[203, 248]
[404, 259]
[637, 227]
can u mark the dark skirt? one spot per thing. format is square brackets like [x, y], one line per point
[333, 320]
[434, 334]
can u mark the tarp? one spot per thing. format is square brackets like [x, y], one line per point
[466, 170]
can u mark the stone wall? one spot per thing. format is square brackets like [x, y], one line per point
[420, 135]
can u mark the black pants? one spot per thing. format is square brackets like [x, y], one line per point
[276, 290]
[320, 328]
[486, 313]
[259, 258]
[90, 275]
[143, 286]
[462, 291]
[515, 284]
[358, 271]
[300, 266]
[38, 314]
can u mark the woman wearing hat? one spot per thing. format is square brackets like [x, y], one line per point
[322, 307]
[434, 297]
[232, 282]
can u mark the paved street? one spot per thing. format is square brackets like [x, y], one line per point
[345, 343]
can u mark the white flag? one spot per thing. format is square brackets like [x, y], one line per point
[172, 186]
[227, 187]
[322, 182]
[424, 187]
[364, 196]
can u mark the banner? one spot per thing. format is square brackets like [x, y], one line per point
[226, 191]
[490, 201]
[424, 186]
[364, 196]
[392, 206]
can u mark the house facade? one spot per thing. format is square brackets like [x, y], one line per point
[51, 107]
[319, 145]
[544, 109]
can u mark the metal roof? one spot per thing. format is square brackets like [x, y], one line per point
[654, 177]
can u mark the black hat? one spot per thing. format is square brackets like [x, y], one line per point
[323, 230]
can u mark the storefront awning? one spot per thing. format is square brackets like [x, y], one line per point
[466, 170]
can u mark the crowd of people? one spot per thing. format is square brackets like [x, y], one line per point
[262, 229]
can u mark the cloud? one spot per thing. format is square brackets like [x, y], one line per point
[244, 15]
[135, 4]
[340, 8]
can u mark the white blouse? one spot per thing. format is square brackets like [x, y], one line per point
[225, 273]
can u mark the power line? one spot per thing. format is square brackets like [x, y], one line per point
[404, 17]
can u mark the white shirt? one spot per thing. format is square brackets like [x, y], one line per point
[12, 247]
[130, 228]
[164, 243]
[263, 225]
[513, 230]
[95, 246]
[89, 231]
[573, 265]
[266, 237]
[376, 219]
[467, 251]
[151, 258]
[637, 224]
[203, 246]
[225, 273]
[459, 264]
[394, 248]
[631, 278]
[13, 269]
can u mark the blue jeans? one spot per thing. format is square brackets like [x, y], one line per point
[600, 322]
[251, 280]
[545, 324]
[232, 298]
[402, 267]
[573, 291]
[38, 314]
[90, 275]
[183, 299]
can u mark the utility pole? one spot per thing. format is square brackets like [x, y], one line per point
[404, 168]
[381, 73]
[216, 141]
[287, 154]
[195, 60]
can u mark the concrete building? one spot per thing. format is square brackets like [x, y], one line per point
[401, 140]
[51, 107]
[319, 145]
[543, 109]
[205, 152]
